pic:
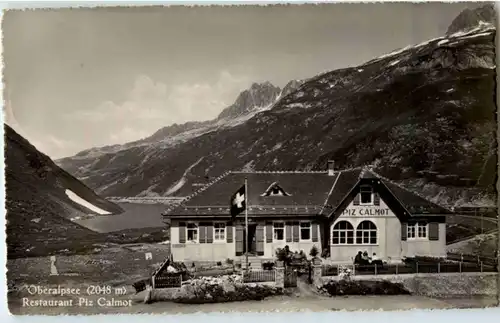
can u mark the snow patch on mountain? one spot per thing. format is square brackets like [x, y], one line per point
[394, 62]
[442, 42]
[77, 199]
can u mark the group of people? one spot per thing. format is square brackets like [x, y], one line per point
[363, 259]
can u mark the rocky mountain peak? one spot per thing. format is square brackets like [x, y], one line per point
[291, 86]
[259, 95]
[471, 18]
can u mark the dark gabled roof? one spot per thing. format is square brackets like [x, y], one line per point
[402, 201]
[414, 203]
[346, 182]
[310, 193]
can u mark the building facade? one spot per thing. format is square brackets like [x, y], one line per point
[341, 211]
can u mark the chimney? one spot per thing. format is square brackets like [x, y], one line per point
[331, 168]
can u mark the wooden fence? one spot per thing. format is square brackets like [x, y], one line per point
[170, 281]
[259, 276]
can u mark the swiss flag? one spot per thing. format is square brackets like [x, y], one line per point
[238, 201]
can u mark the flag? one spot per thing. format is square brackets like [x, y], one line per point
[238, 201]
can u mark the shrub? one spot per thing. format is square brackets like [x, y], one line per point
[314, 251]
[344, 272]
[268, 265]
[363, 287]
[281, 255]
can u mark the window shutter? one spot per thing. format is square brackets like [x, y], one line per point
[239, 240]
[259, 233]
[210, 232]
[376, 198]
[229, 232]
[288, 233]
[404, 231]
[314, 234]
[182, 232]
[434, 231]
[202, 233]
[269, 232]
[296, 232]
[356, 199]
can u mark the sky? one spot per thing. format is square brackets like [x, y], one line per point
[81, 78]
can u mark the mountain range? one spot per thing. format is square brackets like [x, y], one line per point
[423, 115]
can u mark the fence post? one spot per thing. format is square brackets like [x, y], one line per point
[439, 267]
[460, 266]
[481, 266]
[417, 267]
[317, 269]
[280, 274]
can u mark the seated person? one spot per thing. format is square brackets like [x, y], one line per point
[365, 259]
[376, 260]
[359, 258]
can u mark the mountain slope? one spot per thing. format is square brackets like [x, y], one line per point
[38, 203]
[91, 166]
[423, 115]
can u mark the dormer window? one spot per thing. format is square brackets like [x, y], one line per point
[366, 195]
[275, 190]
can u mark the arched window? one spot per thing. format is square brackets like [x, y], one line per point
[366, 233]
[343, 233]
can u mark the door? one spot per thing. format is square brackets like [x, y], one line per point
[251, 239]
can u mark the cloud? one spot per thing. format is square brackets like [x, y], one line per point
[151, 105]
[52, 146]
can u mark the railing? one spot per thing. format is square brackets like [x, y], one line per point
[171, 281]
[472, 258]
[413, 268]
[329, 270]
[259, 276]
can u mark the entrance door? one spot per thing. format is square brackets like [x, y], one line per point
[251, 238]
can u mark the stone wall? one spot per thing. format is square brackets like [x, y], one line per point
[439, 285]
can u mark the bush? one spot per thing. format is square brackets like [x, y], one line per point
[314, 251]
[221, 290]
[268, 265]
[363, 287]
[282, 255]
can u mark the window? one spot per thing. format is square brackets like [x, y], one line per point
[366, 193]
[417, 231]
[343, 233]
[305, 230]
[411, 231]
[275, 190]
[279, 231]
[192, 232]
[219, 231]
[366, 233]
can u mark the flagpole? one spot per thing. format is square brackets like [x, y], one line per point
[246, 224]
